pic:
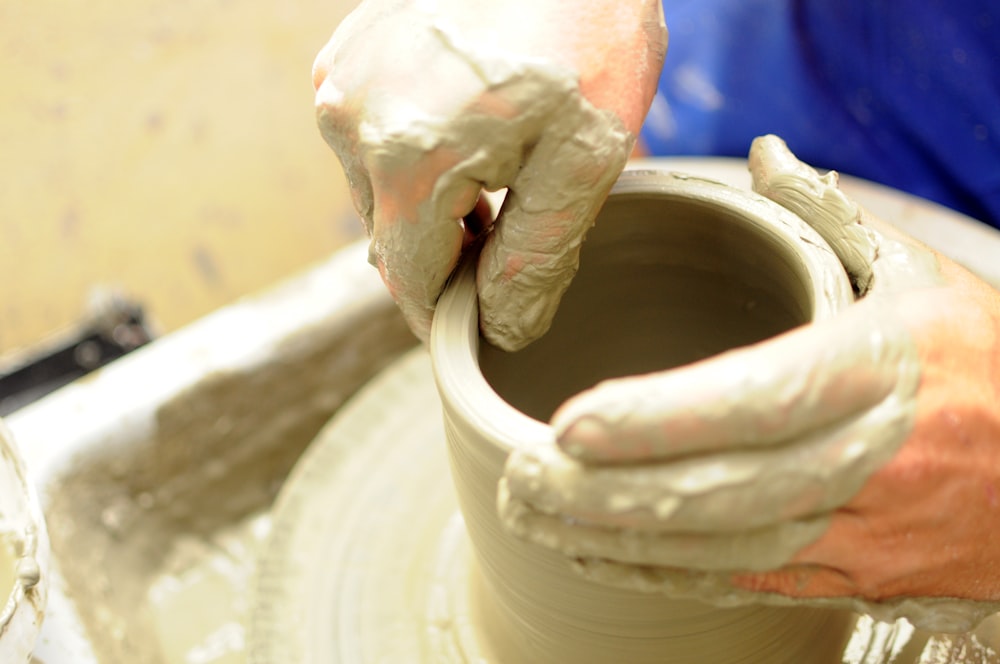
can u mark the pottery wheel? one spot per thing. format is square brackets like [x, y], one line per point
[368, 559]
[368, 546]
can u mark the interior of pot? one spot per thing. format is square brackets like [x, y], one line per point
[664, 281]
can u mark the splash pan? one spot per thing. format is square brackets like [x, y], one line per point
[157, 473]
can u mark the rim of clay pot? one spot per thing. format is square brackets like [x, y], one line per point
[25, 542]
[454, 350]
[455, 337]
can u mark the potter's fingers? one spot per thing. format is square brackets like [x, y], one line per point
[418, 239]
[880, 562]
[818, 200]
[843, 561]
[932, 614]
[679, 583]
[530, 258]
[729, 491]
[761, 549]
[802, 581]
[761, 395]
[876, 255]
[323, 63]
[337, 122]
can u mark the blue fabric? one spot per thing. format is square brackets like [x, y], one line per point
[902, 92]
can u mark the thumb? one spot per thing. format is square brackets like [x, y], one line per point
[875, 254]
[818, 200]
[533, 252]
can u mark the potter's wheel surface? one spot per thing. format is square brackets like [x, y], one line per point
[368, 559]
[368, 547]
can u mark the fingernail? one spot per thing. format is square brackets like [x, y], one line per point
[586, 437]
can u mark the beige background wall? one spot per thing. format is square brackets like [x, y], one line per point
[164, 146]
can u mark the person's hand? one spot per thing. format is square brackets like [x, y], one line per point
[428, 103]
[857, 458]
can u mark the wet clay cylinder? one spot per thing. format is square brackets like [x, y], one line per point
[675, 270]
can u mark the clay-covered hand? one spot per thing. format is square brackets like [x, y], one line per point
[857, 458]
[428, 103]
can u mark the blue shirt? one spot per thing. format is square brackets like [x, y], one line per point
[902, 92]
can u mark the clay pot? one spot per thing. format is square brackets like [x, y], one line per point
[676, 269]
